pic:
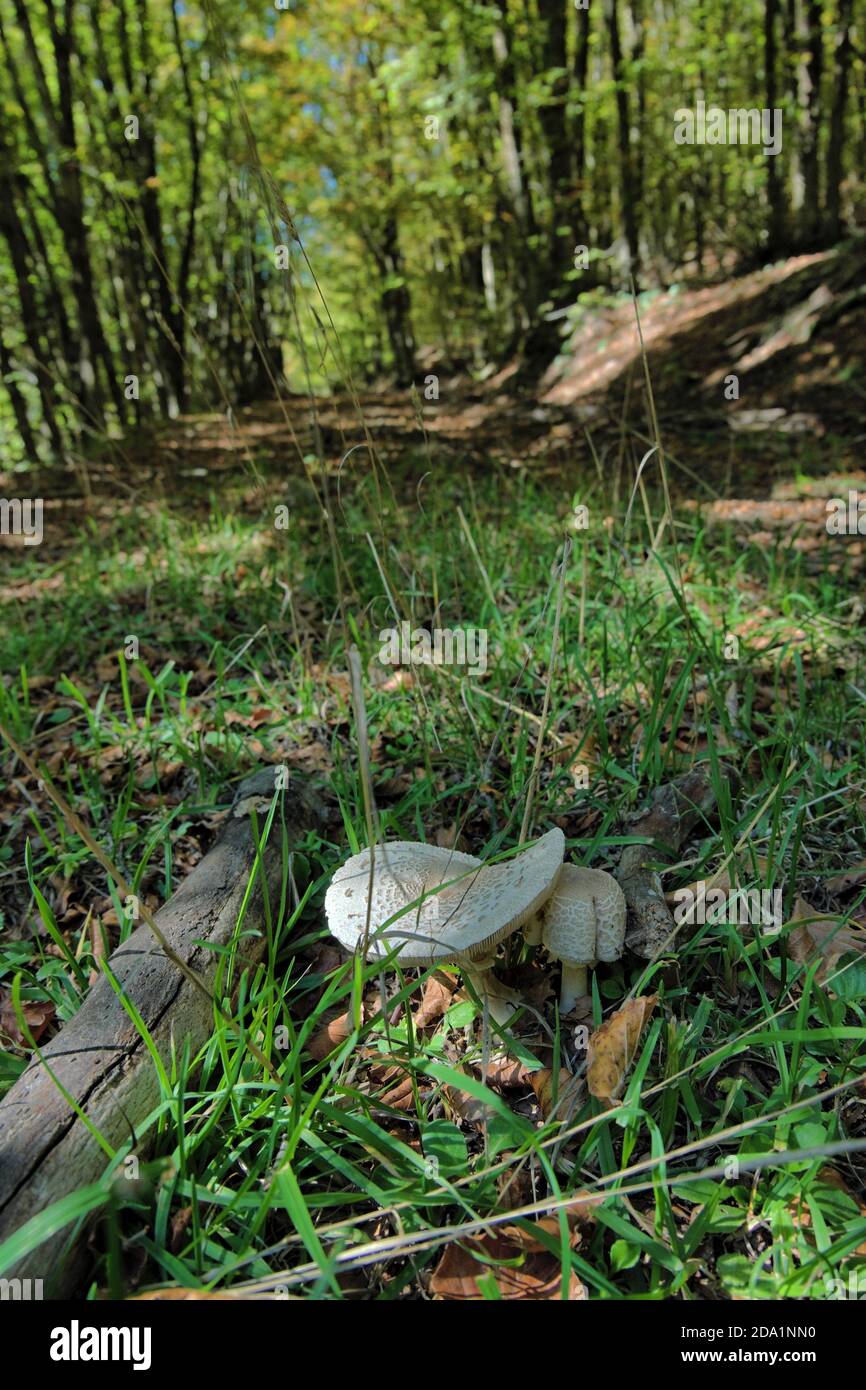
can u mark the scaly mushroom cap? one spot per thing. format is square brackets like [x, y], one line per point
[478, 906]
[583, 920]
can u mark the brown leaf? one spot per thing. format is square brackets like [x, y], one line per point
[536, 1275]
[436, 1001]
[37, 1014]
[401, 680]
[97, 946]
[401, 1096]
[850, 878]
[506, 1073]
[821, 935]
[106, 667]
[334, 1033]
[549, 1096]
[179, 1222]
[262, 714]
[514, 1186]
[314, 757]
[467, 1107]
[581, 1215]
[613, 1048]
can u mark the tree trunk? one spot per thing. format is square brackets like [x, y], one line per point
[776, 231]
[18, 403]
[810, 62]
[68, 206]
[100, 1057]
[12, 230]
[552, 114]
[396, 304]
[626, 170]
[836, 144]
[579, 71]
[512, 163]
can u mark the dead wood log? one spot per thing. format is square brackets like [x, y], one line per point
[673, 813]
[99, 1057]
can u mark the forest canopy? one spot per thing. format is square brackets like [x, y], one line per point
[190, 192]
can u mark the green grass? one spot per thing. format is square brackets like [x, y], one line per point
[316, 1186]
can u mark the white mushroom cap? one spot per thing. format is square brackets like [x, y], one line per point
[584, 917]
[479, 906]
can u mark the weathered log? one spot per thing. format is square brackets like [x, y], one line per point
[674, 811]
[99, 1058]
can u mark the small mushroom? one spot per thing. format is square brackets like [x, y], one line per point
[438, 905]
[582, 923]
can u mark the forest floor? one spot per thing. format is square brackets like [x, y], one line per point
[170, 538]
[793, 334]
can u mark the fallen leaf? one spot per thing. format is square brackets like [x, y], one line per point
[550, 1096]
[37, 1013]
[533, 1273]
[97, 946]
[581, 1213]
[179, 1222]
[506, 1073]
[401, 680]
[323, 1042]
[613, 1048]
[401, 1096]
[468, 1107]
[514, 1186]
[436, 1000]
[841, 883]
[822, 935]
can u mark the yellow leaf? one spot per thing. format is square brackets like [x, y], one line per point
[613, 1048]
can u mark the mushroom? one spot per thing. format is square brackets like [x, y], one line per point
[436, 905]
[582, 923]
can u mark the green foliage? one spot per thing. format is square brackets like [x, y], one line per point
[440, 166]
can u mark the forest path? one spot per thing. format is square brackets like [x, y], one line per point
[792, 334]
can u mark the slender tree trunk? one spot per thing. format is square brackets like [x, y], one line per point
[68, 203]
[396, 304]
[52, 292]
[638, 22]
[552, 113]
[12, 230]
[809, 73]
[626, 169]
[18, 403]
[579, 70]
[512, 160]
[836, 143]
[776, 232]
[183, 285]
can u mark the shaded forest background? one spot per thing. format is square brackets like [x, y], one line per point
[177, 181]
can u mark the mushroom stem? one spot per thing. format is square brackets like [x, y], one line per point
[500, 1002]
[533, 929]
[573, 985]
